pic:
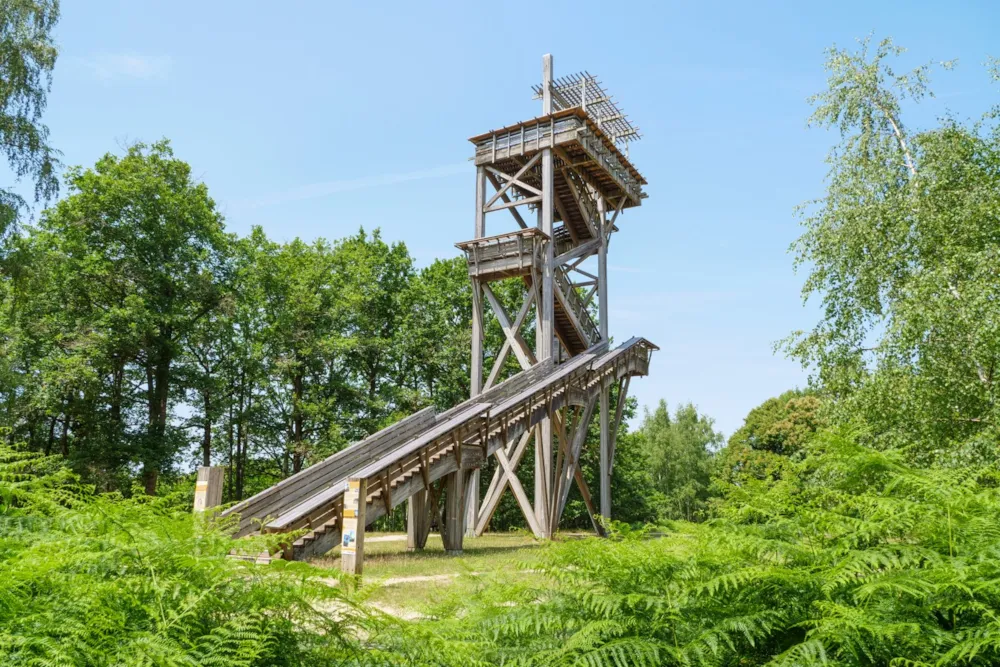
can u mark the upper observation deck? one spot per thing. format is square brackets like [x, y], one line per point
[581, 149]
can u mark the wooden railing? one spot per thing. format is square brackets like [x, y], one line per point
[526, 138]
[504, 255]
[577, 307]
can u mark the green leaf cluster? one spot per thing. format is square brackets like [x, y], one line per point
[854, 558]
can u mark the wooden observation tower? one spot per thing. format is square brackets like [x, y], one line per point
[553, 189]
[567, 171]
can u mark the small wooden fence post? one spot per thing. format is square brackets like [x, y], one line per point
[208, 488]
[352, 546]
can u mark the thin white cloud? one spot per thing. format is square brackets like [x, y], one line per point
[128, 65]
[327, 188]
[624, 269]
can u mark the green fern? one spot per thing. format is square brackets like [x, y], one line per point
[853, 558]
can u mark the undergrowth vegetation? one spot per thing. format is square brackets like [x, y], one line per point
[856, 559]
[856, 523]
[88, 579]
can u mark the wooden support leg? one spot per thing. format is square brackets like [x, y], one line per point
[605, 466]
[208, 488]
[417, 521]
[543, 476]
[352, 546]
[454, 514]
[472, 503]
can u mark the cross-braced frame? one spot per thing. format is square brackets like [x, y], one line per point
[561, 174]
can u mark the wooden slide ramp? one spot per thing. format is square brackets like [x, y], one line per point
[414, 453]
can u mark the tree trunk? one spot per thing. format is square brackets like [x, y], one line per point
[206, 441]
[64, 437]
[297, 422]
[150, 475]
[229, 429]
[52, 435]
[158, 376]
[240, 428]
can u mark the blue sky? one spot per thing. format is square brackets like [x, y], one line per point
[312, 119]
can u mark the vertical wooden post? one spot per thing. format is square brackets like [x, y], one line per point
[476, 384]
[352, 547]
[546, 316]
[208, 488]
[605, 466]
[454, 515]
[471, 503]
[602, 289]
[417, 521]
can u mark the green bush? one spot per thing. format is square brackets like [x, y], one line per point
[856, 559]
[90, 579]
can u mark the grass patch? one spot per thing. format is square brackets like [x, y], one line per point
[416, 582]
[387, 558]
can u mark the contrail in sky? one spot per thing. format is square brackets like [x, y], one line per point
[327, 188]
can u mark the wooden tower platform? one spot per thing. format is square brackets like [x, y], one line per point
[568, 174]
[559, 182]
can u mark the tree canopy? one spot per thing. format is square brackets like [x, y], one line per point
[902, 251]
[679, 450]
[27, 57]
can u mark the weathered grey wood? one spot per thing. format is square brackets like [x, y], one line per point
[352, 548]
[454, 511]
[622, 395]
[417, 521]
[552, 388]
[605, 457]
[504, 477]
[439, 431]
[604, 465]
[477, 338]
[512, 180]
[513, 211]
[520, 162]
[588, 502]
[545, 310]
[513, 203]
[583, 250]
[507, 343]
[510, 475]
[416, 508]
[208, 488]
[570, 305]
[317, 543]
[295, 489]
[512, 333]
[290, 519]
[573, 457]
[509, 387]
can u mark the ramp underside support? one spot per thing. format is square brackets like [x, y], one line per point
[418, 521]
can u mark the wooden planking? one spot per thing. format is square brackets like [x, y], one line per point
[524, 405]
[439, 431]
[289, 519]
[508, 387]
[553, 118]
[318, 544]
[585, 145]
[293, 490]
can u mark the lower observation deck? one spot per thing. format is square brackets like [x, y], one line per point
[520, 254]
